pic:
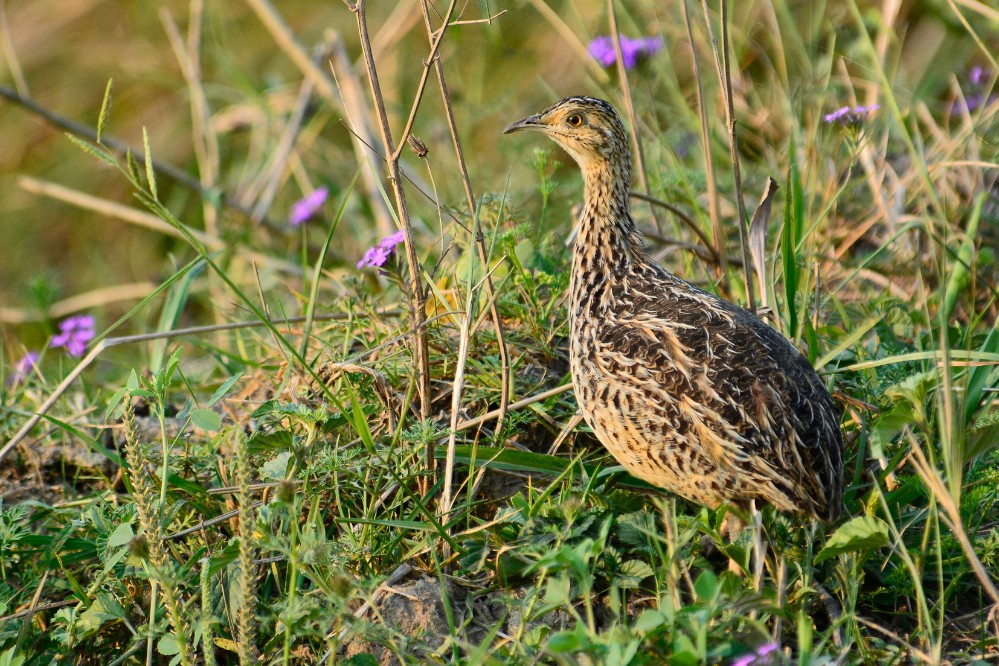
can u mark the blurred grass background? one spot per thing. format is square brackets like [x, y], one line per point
[64, 51]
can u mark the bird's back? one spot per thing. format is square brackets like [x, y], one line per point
[697, 395]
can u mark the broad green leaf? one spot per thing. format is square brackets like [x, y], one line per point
[567, 641]
[361, 659]
[168, 645]
[637, 569]
[11, 658]
[122, 536]
[277, 468]
[860, 535]
[92, 618]
[706, 586]
[206, 419]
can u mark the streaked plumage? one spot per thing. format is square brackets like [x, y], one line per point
[687, 391]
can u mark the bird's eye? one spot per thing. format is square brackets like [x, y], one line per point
[575, 120]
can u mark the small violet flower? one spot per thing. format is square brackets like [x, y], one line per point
[74, 334]
[978, 78]
[307, 206]
[378, 254]
[758, 657]
[977, 75]
[851, 115]
[23, 368]
[602, 49]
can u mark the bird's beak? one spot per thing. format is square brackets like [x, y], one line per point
[529, 123]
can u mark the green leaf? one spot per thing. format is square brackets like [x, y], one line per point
[637, 569]
[173, 308]
[222, 390]
[11, 658]
[92, 618]
[361, 659]
[122, 536]
[790, 235]
[168, 645]
[959, 277]
[706, 587]
[558, 590]
[848, 341]
[860, 535]
[636, 528]
[113, 403]
[649, 619]
[277, 468]
[567, 641]
[684, 652]
[206, 419]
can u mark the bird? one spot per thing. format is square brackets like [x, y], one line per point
[687, 391]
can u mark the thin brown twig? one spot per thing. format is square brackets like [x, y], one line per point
[629, 106]
[479, 239]
[733, 143]
[435, 42]
[418, 310]
[431, 198]
[686, 219]
[709, 164]
[464, 342]
[722, 67]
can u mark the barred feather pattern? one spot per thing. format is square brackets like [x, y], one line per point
[687, 391]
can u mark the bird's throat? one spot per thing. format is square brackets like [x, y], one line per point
[607, 242]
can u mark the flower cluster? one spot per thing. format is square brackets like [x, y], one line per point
[851, 115]
[74, 334]
[757, 657]
[602, 48]
[378, 254]
[307, 206]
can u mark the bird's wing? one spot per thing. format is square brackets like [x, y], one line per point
[733, 383]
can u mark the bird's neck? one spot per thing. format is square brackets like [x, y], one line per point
[608, 240]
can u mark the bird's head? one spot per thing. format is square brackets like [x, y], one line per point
[589, 129]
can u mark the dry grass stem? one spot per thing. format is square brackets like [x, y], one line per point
[717, 232]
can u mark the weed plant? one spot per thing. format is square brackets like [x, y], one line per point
[314, 406]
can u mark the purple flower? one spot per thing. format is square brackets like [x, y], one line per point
[307, 206]
[978, 78]
[851, 115]
[74, 335]
[378, 254]
[602, 49]
[23, 368]
[757, 657]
